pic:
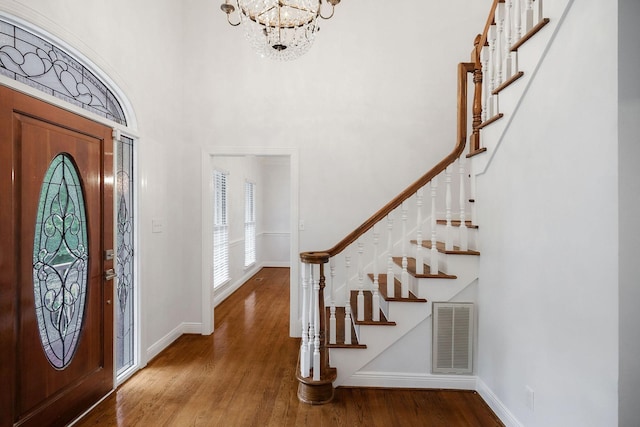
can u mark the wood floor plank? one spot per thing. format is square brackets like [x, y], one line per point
[243, 375]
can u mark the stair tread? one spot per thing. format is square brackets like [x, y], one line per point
[507, 83]
[368, 311]
[533, 31]
[397, 289]
[456, 222]
[440, 246]
[340, 331]
[491, 120]
[411, 268]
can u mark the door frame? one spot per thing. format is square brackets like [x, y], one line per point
[44, 29]
[208, 303]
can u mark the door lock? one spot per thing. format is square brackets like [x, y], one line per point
[109, 274]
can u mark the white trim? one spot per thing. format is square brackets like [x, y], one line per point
[223, 291]
[276, 264]
[411, 380]
[275, 233]
[207, 245]
[496, 405]
[138, 358]
[164, 342]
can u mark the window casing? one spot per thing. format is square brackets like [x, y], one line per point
[249, 224]
[220, 229]
[125, 261]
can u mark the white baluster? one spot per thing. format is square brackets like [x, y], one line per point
[376, 296]
[390, 276]
[304, 346]
[508, 35]
[517, 13]
[529, 16]
[500, 42]
[405, 262]
[493, 110]
[540, 16]
[464, 238]
[332, 315]
[347, 301]
[360, 299]
[472, 194]
[448, 241]
[434, 240]
[312, 319]
[316, 339]
[419, 253]
[486, 83]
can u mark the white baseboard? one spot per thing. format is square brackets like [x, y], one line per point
[411, 380]
[276, 264]
[496, 405]
[164, 342]
[191, 328]
[222, 292]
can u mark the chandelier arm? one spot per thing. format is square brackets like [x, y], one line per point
[229, 9]
[293, 6]
[333, 9]
[231, 23]
[262, 13]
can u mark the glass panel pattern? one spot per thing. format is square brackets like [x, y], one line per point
[249, 224]
[124, 255]
[60, 259]
[31, 60]
[220, 230]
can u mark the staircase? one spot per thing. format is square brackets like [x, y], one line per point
[376, 303]
[398, 315]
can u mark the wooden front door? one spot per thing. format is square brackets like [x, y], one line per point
[56, 224]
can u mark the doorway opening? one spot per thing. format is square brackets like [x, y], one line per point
[274, 177]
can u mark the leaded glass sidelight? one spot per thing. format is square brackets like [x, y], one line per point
[60, 261]
[124, 261]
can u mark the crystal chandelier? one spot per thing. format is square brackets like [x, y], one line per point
[279, 29]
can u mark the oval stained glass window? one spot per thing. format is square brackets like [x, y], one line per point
[60, 261]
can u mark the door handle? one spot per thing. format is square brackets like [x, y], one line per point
[109, 274]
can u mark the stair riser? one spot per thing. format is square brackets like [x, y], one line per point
[441, 232]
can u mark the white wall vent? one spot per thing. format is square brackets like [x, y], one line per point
[452, 338]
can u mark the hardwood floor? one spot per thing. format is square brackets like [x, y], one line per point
[243, 375]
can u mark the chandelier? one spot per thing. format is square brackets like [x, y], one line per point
[279, 29]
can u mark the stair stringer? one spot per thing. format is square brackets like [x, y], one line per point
[530, 57]
[407, 316]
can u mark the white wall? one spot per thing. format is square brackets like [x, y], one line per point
[629, 210]
[275, 207]
[366, 95]
[548, 209]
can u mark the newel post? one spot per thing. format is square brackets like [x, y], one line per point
[317, 387]
[477, 95]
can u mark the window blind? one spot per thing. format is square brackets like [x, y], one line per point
[220, 230]
[249, 224]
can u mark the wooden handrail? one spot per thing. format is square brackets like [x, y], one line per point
[485, 32]
[318, 257]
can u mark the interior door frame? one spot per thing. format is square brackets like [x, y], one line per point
[208, 302]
